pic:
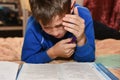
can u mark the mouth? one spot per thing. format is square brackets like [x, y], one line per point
[59, 36]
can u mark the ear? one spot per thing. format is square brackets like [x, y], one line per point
[73, 2]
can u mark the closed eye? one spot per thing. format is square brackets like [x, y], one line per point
[47, 28]
[57, 26]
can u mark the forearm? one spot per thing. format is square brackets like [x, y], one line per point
[41, 57]
[82, 41]
[51, 53]
[85, 53]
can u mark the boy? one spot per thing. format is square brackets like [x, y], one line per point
[56, 29]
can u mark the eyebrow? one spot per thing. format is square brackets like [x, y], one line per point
[55, 25]
[59, 25]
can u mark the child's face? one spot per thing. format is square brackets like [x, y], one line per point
[55, 28]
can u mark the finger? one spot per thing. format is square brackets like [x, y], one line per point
[75, 32]
[70, 25]
[70, 53]
[69, 16]
[66, 40]
[76, 11]
[72, 19]
[70, 46]
[72, 6]
[75, 19]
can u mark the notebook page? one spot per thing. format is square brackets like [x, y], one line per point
[8, 70]
[80, 71]
[38, 72]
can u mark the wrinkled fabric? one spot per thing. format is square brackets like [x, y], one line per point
[105, 11]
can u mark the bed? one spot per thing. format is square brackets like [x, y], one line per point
[10, 48]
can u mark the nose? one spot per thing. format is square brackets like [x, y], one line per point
[55, 32]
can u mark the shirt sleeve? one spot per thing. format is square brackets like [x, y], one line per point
[86, 53]
[32, 51]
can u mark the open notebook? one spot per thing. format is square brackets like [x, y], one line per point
[62, 71]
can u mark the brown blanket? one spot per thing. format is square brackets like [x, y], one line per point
[10, 48]
[107, 46]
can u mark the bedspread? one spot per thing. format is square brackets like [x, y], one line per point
[10, 48]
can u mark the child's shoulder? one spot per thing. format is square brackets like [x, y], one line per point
[83, 12]
[32, 22]
[81, 8]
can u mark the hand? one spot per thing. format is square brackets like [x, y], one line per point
[75, 24]
[62, 49]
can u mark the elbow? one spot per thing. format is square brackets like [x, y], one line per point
[87, 58]
[92, 59]
[24, 59]
[27, 60]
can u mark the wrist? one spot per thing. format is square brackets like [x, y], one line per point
[82, 41]
[51, 53]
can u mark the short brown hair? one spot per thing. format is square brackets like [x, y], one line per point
[46, 10]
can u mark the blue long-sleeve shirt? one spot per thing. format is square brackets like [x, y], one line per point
[37, 42]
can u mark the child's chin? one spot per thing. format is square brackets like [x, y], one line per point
[59, 37]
